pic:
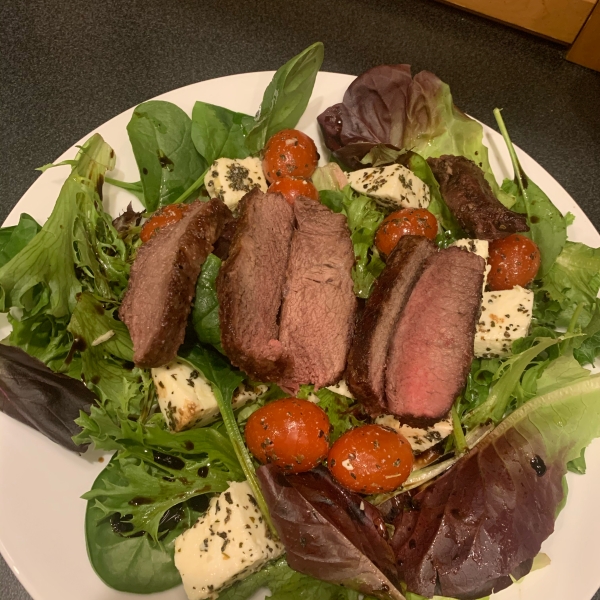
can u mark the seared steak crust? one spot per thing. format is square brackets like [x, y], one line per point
[431, 349]
[366, 362]
[319, 306]
[250, 286]
[163, 278]
[471, 200]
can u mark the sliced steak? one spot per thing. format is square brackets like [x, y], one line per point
[431, 349]
[159, 296]
[471, 200]
[250, 286]
[366, 361]
[319, 306]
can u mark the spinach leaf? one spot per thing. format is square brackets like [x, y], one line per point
[205, 313]
[218, 132]
[160, 135]
[548, 228]
[14, 239]
[363, 220]
[285, 98]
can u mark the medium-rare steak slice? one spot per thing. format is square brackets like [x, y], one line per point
[431, 349]
[471, 200]
[159, 296]
[250, 286]
[366, 362]
[319, 306]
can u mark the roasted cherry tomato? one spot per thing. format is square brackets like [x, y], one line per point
[407, 221]
[289, 153]
[291, 433]
[514, 260]
[371, 459]
[292, 187]
[161, 218]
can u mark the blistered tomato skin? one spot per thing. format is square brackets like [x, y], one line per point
[291, 433]
[163, 217]
[289, 153]
[514, 260]
[292, 187]
[371, 459]
[407, 221]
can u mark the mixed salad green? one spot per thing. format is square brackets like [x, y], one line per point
[61, 285]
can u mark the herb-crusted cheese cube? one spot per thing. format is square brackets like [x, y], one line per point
[392, 187]
[229, 542]
[505, 317]
[420, 439]
[479, 247]
[186, 398]
[231, 179]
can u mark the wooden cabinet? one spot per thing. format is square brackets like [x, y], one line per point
[557, 19]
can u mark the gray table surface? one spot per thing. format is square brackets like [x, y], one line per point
[68, 66]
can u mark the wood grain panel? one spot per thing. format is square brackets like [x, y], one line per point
[557, 19]
[586, 49]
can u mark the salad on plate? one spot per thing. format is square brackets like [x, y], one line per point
[360, 374]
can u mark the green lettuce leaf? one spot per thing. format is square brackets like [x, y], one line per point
[14, 239]
[363, 220]
[548, 228]
[161, 137]
[573, 279]
[285, 98]
[286, 584]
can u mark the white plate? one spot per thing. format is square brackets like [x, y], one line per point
[41, 515]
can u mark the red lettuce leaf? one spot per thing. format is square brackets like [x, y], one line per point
[33, 394]
[330, 533]
[486, 518]
[384, 105]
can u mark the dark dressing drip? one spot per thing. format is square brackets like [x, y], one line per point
[538, 465]
[121, 526]
[199, 503]
[203, 471]
[78, 345]
[171, 518]
[139, 500]
[188, 445]
[166, 460]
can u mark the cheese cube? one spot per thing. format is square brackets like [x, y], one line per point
[479, 247]
[505, 317]
[228, 543]
[391, 187]
[186, 398]
[231, 179]
[341, 388]
[420, 439]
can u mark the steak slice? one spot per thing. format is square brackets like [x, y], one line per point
[366, 362]
[319, 306]
[250, 286]
[163, 278]
[432, 346]
[471, 200]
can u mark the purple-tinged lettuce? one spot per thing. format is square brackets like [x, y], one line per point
[486, 518]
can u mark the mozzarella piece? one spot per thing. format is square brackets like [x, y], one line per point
[479, 247]
[231, 179]
[228, 543]
[392, 187]
[420, 439]
[186, 398]
[505, 317]
[341, 388]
